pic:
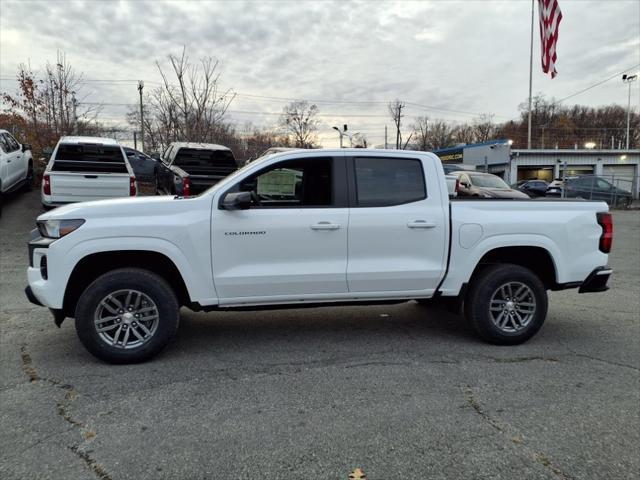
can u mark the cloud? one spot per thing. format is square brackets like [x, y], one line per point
[454, 55]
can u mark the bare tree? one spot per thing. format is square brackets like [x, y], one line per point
[441, 134]
[484, 128]
[421, 134]
[192, 108]
[50, 103]
[464, 134]
[299, 120]
[395, 111]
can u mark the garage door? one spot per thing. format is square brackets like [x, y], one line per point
[622, 176]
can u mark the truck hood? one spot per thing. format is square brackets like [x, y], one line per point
[124, 207]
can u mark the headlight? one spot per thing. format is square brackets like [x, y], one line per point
[58, 228]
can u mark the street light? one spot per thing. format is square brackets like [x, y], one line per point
[628, 79]
[343, 133]
[590, 145]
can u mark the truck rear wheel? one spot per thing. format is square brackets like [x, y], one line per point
[127, 316]
[506, 304]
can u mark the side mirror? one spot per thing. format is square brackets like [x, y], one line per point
[25, 147]
[155, 156]
[236, 201]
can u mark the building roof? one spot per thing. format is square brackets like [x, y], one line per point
[574, 151]
[501, 141]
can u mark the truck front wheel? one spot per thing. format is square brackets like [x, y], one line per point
[127, 316]
[506, 304]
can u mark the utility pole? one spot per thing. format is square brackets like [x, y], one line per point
[74, 104]
[140, 87]
[385, 137]
[628, 79]
[398, 120]
[530, 78]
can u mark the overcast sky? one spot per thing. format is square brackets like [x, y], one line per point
[456, 59]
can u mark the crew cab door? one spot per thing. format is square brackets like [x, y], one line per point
[291, 242]
[397, 229]
[14, 165]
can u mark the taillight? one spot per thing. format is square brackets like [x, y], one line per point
[46, 185]
[457, 189]
[186, 187]
[605, 220]
[132, 186]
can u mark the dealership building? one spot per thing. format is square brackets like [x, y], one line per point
[620, 167]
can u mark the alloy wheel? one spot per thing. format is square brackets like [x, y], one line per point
[512, 307]
[126, 319]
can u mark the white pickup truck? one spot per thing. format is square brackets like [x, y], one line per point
[16, 165]
[86, 168]
[312, 228]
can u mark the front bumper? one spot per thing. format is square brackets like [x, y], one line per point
[31, 297]
[596, 281]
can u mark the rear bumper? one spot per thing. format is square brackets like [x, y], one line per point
[596, 281]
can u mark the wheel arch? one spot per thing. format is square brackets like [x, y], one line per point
[92, 266]
[535, 258]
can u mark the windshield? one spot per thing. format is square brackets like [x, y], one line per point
[488, 181]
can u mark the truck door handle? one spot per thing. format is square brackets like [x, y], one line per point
[325, 226]
[421, 224]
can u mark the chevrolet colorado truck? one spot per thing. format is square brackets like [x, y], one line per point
[311, 228]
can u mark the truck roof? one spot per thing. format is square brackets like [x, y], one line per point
[201, 146]
[97, 140]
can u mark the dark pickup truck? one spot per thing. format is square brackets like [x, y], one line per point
[190, 168]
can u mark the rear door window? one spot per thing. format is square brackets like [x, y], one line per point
[382, 182]
[85, 157]
[194, 157]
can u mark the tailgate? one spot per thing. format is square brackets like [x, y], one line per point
[81, 187]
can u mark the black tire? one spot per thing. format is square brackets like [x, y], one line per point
[486, 285]
[152, 286]
[28, 182]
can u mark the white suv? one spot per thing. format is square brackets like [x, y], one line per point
[16, 165]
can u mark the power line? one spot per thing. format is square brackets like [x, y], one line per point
[597, 84]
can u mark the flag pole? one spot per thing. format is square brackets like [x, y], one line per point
[530, 78]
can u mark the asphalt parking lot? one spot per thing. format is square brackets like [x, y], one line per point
[402, 392]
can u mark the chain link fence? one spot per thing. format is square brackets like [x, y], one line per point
[616, 190]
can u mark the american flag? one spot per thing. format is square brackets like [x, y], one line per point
[550, 16]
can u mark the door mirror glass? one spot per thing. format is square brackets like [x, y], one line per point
[155, 156]
[236, 201]
[25, 147]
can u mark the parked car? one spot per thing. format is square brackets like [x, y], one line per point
[87, 168]
[533, 188]
[378, 226]
[144, 167]
[16, 165]
[485, 185]
[591, 187]
[457, 167]
[453, 185]
[190, 168]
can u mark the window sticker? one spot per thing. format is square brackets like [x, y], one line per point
[278, 182]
